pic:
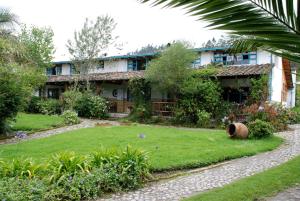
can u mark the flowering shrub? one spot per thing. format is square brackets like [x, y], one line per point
[277, 115]
[70, 117]
[49, 106]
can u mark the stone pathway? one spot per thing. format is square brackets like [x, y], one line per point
[85, 123]
[186, 186]
[291, 194]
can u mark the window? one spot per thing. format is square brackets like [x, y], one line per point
[237, 59]
[100, 65]
[57, 70]
[53, 93]
[137, 64]
[197, 63]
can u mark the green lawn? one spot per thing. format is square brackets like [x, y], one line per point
[36, 122]
[256, 187]
[168, 148]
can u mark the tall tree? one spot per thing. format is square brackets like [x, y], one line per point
[39, 46]
[169, 70]
[273, 25]
[90, 43]
[7, 21]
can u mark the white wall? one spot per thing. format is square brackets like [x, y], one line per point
[65, 69]
[107, 89]
[291, 101]
[276, 76]
[207, 58]
[112, 66]
[263, 57]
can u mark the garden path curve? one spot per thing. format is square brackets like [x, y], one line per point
[216, 176]
[85, 123]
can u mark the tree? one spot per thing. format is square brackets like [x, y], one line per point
[7, 21]
[169, 70]
[90, 43]
[149, 49]
[39, 47]
[271, 25]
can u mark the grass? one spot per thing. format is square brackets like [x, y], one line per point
[36, 122]
[256, 187]
[168, 148]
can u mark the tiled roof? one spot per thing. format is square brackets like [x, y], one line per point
[245, 70]
[229, 71]
[98, 76]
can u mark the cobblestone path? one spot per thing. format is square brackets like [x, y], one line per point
[85, 123]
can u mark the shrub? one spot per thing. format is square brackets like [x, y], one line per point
[33, 105]
[260, 129]
[141, 113]
[92, 106]
[276, 114]
[72, 177]
[70, 117]
[203, 118]
[49, 106]
[70, 99]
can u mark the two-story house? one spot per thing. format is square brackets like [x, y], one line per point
[110, 77]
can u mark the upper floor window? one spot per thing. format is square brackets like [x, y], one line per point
[100, 65]
[73, 70]
[57, 70]
[197, 63]
[137, 64]
[237, 59]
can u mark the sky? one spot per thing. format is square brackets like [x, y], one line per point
[137, 24]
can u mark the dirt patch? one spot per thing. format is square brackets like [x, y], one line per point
[103, 124]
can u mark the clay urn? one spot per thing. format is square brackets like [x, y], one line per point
[238, 130]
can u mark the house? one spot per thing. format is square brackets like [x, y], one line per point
[111, 75]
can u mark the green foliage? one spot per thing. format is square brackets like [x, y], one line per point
[70, 98]
[279, 33]
[204, 118]
[33, 105]
[49, 106]
[260, 129]
[24, 168]
[276, 114]
[169, 71]
[70, 117]
[198, 93]
[92, 106]
[259, 89]
[39, 47]
[141, 95]
[72, 177]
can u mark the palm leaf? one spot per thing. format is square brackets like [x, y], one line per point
[273, 25]
[7, 21]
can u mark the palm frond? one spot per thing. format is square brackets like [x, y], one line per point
[273, 25]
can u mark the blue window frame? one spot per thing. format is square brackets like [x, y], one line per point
[132, 65]
[58, 70]
[73, 70]
[197, 63]
[237, 59]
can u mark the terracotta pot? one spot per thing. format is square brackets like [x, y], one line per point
[237, 130]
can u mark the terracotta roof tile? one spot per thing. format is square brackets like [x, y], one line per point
[98, 76]
[228, 71]
[244, 70]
